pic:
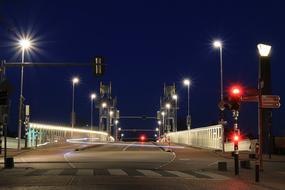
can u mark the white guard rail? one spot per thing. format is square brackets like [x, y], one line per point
[205, 137]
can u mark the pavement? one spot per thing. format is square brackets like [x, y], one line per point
[133, 165]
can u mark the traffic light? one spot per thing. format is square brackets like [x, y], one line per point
[236, 138]
[142, 138]
[234, 98]
[98, 66]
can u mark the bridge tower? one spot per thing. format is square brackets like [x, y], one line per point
[108, 112]
[167, 115]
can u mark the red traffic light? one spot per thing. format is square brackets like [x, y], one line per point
[236, 137]
[142, 138]
[236, 91]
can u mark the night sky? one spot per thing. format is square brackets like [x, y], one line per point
[145, 44]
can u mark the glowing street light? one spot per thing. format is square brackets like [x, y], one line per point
[111, 113]
[174, 97]
[264, 50]
[24, 44]
[92, 97]
[104, 105]
[167, 106]
[187, 83]
[218, 44]
[75, 80]
[159, 122]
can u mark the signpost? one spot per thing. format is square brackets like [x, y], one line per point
[267, 101]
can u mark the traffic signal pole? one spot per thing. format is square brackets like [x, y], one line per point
[236, 140]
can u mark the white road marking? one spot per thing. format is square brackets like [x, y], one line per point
[124, 149]
[149, 173]
[84, 172]
[181, 174]
[117, 172]
[212, 175]
[68, 161]
[53, 172]
[174, 156]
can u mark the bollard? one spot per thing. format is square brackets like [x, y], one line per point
[222, 166]
[9, 162]
[245, 164]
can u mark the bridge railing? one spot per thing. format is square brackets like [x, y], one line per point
[40, 133]
[209, 137]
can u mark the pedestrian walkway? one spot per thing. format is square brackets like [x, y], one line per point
[111, 172]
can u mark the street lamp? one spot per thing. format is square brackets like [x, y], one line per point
[264, 115]
[25, 44]
[218, 44]
[167, 106]
[116, 130]
[187, 83]
[75, 80]
[163, 122]
[158, 128]
[264, 50]
[92, 97]
[175, 98]
[104, 105]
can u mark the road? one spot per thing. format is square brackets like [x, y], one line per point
[131, 165]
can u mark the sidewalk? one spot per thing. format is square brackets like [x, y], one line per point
[272, 176]
[13, 152]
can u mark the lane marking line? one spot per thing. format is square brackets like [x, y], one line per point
[53, 172]
[128, 146]
[68, 161]
[84, 172]
[181, 174]
[149, 173]
[213, 175]
[118, 172]
[165, 164]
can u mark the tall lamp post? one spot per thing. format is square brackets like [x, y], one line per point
[218, 44]
[175, 98]
[92, 97]
[264, 87]
[187, 83]
[163, 122]
[167, 106]
[25, 44]
[75, 81]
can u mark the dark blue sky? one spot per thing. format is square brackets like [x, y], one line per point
[146, 43]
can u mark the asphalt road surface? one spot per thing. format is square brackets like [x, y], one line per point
[132, 165]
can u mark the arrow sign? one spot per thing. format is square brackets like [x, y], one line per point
[270, 101]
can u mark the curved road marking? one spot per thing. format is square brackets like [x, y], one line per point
[129, 145]
[165, 164]
[67, 160]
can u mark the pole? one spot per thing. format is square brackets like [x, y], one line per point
[257, 153]
[221, 70]
[72, 112]
[91, 119]
[21, 102]
[188, 115]
[176, 107]
[260, 130]
[236, 152]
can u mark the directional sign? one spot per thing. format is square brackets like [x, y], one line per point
[249, 99]
[270, 101]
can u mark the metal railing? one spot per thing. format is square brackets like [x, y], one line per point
[209, 137]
